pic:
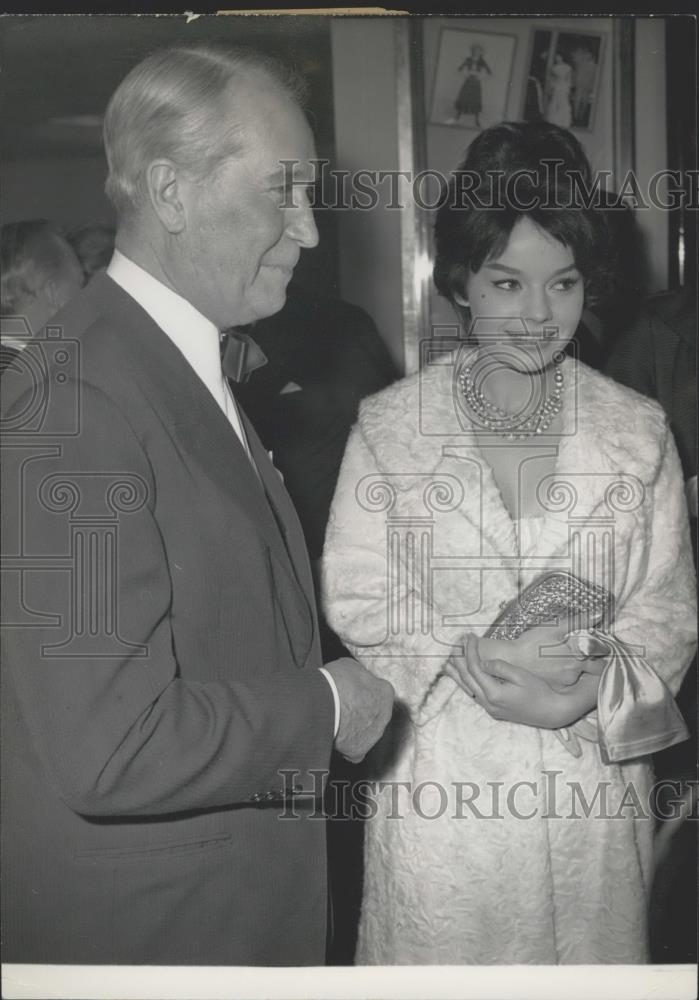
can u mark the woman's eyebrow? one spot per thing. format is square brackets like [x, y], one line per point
[514, 270]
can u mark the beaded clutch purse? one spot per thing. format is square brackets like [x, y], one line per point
[636, 713]
[549, 599]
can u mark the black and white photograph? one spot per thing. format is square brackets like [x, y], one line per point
[472, 78]
[349, 506]
[563, 78]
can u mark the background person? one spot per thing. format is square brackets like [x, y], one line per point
[94, 245]
[657, 356]
[39, 273]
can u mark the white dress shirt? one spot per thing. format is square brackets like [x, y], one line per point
[193, 334]
[198, 340]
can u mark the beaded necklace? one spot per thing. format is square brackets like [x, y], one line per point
[513, 426]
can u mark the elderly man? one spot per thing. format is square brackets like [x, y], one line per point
[167, 723]
[39, 272]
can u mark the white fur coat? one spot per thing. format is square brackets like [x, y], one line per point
[487, 855]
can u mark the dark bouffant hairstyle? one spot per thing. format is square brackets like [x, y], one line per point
[515, 169]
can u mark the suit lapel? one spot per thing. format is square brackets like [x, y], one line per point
[281, 506]
[284, 511]
[203, 433]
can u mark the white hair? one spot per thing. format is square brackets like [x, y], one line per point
[171, 105]
[31, 253]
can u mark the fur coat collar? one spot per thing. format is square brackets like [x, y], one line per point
[608, 456]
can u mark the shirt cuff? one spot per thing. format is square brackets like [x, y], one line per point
[336, 698]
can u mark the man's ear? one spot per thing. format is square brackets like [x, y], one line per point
[164, 192]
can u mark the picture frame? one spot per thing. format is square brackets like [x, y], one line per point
[472, 78]
[562, 81]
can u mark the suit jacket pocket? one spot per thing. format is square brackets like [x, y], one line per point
[153, 852]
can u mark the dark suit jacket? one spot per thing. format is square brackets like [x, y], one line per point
[159, 669]
[657, 356]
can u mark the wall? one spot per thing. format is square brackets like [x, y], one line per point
[66, 189]
[366, 137]
[651, 143]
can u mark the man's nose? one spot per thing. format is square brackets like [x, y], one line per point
[302, 224]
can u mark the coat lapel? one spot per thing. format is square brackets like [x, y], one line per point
[598, 449]
[602, 478]
[429, 436]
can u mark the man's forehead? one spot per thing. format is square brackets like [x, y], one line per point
[272, 117]
[270, 126]
[287, 170]
[249, 91]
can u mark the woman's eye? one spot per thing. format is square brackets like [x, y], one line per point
[507, 284]
[565, 284]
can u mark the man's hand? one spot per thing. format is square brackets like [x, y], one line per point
[366, 705]
[512, 694]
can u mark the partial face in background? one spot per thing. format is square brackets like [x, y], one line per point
[241, 242]
[526, 303]
[58, 288]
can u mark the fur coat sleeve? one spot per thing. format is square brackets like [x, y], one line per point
[658, 609]
[356, 571]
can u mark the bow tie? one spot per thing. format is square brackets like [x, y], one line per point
[240, 355]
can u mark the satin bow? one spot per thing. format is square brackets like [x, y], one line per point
[240, 355]
[636, 713]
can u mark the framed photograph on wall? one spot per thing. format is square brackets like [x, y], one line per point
[563, 78]
[472, 78]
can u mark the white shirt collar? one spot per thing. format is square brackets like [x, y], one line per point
[191, 332]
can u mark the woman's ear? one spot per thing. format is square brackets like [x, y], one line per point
[163, 185]
[461, 307]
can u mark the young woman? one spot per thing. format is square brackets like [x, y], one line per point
[503, 831]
